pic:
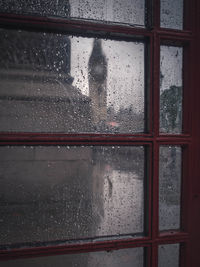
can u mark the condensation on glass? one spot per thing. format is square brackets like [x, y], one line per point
[126, 11]
[59, 83]
[168, 255]
[171, 83]
[170, 162]
[171, 14]
[131, 257]
[59, 193]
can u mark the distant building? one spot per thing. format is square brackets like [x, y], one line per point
[97, 72]
[36, 87]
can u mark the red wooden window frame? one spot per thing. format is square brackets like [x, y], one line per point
[189, 236]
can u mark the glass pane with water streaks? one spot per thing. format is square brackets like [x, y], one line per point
[126, 11]
[59, 83]
[170, 187]
[171, 14]
[168, 255]
[59, 193]
[171, 87]
[132, 257]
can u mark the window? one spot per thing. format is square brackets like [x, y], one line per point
[99, 133]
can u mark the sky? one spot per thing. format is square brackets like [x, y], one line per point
[126, 11]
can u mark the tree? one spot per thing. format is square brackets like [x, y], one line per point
[171, 109]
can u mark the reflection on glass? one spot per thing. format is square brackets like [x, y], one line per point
[171, 64]
[171, 14]
[168, 255]
[169, 187]
[128, 11]
[58, 193]
[132, 257]
[58, 83]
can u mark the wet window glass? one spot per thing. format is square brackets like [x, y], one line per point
[169, 187]
[171, 83]
[126, 11]
[59, 83]
[132, 257]
[59, 193]
[168, 255]
[171, 14]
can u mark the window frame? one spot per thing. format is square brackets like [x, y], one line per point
[190, 38]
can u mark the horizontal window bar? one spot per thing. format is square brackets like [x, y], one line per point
[56, 137]
[64, 25]
[39, 249]
[129, 257]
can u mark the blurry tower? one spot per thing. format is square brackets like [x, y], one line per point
[97, 76]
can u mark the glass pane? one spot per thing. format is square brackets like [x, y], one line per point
[132, 257]
[168, 255]
[58, 83]
[171, 82]
[128, 11]
[169, 187]
[171, 14]
[58, 193]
